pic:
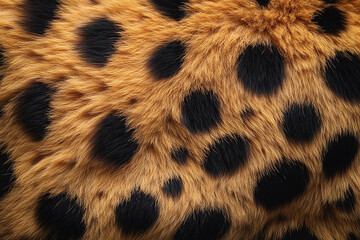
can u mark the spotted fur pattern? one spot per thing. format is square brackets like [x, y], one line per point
[180, 119]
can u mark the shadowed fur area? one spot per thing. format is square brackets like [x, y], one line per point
[180, 119]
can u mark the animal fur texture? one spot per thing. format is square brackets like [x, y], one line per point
[180, 119]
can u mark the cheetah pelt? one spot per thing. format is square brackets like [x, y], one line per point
[180, 119]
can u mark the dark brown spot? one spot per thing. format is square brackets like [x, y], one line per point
[247, 113]
[100, 194]
[133, 101]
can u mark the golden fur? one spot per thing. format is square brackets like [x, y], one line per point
[214, 35]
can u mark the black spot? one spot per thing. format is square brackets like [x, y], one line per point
[301, 122]
[226, 155]
[2, 57]
[62, 215]
[330, 20]
[342, 74]
[340, 153]
[133, 101]
[352, 236]
[203, 225]
[173, 9]
[281, 184]
[348, 203]
[114, 142]
[263, 3]
[38, 15]
[261, 69]
[180, 155]
[300, 234]
[138, 213]
[98, 39]
[1, 111]
[173, 187]
[247, 113]
[201, 111]
[2, 63]
[167, 60]
[33, 110]
[330, 1]
[6, 173]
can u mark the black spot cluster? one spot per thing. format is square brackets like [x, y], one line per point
[139, 213]
[97, 38]
[287, 179]
[167, 60]
[261, 71]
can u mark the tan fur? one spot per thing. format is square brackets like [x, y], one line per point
[215, 35]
